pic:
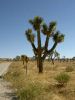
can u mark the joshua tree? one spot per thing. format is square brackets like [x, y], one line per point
[73, 59]
[50, 57]
[41, 52]
[54, 55]
[17, 58]
[64, 58]
[24, 58]
[57, 55]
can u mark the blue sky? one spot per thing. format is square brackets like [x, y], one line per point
[14, 16]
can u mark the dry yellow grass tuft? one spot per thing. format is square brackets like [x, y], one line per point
[41, 86]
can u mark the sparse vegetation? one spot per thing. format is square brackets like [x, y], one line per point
[69, 69]
[31, 92]
[41, 86]
[46, 72]
[62, 79]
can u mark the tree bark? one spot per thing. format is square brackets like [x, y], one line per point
[23, 62]
[40, 65]
[26, 68]
[52, 60]
[39, 52]
[37, 62]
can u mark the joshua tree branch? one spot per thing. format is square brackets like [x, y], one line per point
[49, 51]
[39, 39]
[39, 42]
[46, 46]
[53, 47]
[34, 48]
[46, 42]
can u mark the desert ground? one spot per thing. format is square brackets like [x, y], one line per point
[35, 86]
[4, 85]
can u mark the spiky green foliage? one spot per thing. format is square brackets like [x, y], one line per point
[62, 79]
[30, 36]
[52, 26]
[41, 52]
[45, 29]
[58, 37]
[36, 22]
[48, 30]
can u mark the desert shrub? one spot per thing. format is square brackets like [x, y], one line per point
[26, 94]
[62, 79]
[29, 93]
[16, 74]
[69, 69]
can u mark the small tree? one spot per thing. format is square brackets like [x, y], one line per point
[24, 58]
[57, 55]
[50, 57]
[53, 55]
[41, 52]
[17, 58]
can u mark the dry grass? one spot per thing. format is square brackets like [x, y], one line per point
[0, 61]
[44, 83]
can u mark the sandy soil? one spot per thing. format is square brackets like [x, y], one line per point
[5, 91]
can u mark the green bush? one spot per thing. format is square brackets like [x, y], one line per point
[29, 93]
[69, 69]
[26, 94]
[62, 79]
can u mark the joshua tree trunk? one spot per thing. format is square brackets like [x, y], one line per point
[23, 62]
[40, 65]
[26, 67]
[39, 60]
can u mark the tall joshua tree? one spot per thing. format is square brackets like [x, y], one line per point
[41, 52]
